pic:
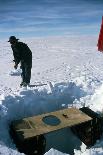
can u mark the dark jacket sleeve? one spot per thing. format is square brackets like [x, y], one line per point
[16, 55]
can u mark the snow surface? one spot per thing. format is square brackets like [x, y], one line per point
[72, 69]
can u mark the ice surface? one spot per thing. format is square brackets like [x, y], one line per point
[71, 67]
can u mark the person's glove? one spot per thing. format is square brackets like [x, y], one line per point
[15, 66]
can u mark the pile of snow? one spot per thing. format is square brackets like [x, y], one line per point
[15, 72]
[56, 152]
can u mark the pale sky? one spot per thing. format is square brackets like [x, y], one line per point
[31, 18]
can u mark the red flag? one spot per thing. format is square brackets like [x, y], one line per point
[100, 39]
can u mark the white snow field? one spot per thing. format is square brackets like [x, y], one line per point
[72, 69]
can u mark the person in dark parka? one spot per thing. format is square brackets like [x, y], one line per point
[22, 54]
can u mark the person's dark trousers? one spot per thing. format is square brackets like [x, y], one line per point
[26, 73]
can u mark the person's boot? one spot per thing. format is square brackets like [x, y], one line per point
[28, 84]
[24, 84]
